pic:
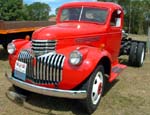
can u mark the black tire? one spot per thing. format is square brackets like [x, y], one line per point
[96, 80]
[140, 54]
[132, 54]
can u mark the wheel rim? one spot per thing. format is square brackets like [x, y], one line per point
[142, 56]
[97, 88]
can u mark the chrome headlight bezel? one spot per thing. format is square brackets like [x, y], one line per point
[11, 48]
[75, 57]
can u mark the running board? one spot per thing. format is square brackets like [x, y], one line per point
[116, 70]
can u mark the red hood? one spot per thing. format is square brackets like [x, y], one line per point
[68, 30]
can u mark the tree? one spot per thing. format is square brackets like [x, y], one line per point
[136, 12]
[10, 9]
[25, 12]
[38, 11]
[56, 11]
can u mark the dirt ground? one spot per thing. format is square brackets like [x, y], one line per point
[128, 95]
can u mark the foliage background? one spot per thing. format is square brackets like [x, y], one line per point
[13, 10]
[137, 13]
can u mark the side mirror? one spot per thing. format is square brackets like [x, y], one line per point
[118, 12]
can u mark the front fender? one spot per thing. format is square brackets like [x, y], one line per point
[20, 44]
[75, 75]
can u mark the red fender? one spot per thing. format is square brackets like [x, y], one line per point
[72, 75]
[20, 44]
[75, 75]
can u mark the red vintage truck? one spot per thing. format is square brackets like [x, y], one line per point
[78, 56]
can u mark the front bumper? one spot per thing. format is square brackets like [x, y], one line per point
[72, 94]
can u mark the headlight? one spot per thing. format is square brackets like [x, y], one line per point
[75, 57]
[11, 48]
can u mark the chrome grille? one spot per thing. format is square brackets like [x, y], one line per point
[41, 47]
[46, 69]
[26, 57]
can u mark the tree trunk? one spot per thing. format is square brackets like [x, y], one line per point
[140, 30]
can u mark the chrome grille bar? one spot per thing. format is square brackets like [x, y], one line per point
[26, 57]
[46, 69]
[41, 47]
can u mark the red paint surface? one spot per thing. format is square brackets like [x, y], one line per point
[70, 37]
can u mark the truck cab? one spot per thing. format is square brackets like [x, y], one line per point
[75, 58]
[92, 24]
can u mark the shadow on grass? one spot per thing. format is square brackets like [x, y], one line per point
[49, 105]
[55, 106]
[3, 54]
[109, 86]
[60, 105]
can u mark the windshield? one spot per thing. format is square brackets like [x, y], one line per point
[84, 14]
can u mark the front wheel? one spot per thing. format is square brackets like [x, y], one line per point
[94, 87]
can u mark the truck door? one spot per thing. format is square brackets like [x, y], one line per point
[114, 34]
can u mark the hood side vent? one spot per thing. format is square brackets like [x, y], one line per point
[41, 47]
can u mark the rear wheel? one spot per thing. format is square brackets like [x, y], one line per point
[94, 87]
[140, 54]
[137, 54]
[132, 54]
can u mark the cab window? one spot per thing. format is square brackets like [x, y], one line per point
[116, 19]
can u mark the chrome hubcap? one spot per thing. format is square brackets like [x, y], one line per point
[142, 57]
[97, 88]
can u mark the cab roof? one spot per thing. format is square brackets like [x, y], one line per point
[109, 5]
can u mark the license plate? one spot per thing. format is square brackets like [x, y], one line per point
[20, 70]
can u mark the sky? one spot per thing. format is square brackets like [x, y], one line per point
[53, 3]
